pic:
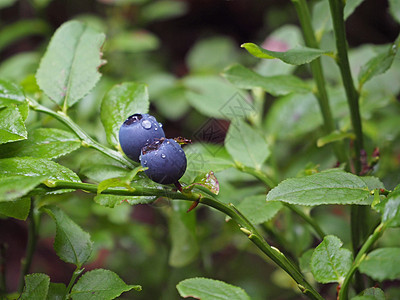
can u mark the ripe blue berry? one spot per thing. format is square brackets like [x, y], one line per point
[138, 131]
[165, 160]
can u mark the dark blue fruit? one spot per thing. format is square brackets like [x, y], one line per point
[165, 160]
[138, 131]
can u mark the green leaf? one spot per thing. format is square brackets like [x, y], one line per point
[100, 284]
[394, 9]
[210, 289]
[108, 200]
[214, 97]
[18, 209]
[391, 212]
[279, 85]
[36, 287]
[10, 93]
[27, 166]
[69, 68]
[72, 244]
[257, 210]
[20, 29]
[378, 64]
[43, 143]
[329, 187]
[119, 103]
[329, 262]
[334, 137]
[57, 291]
[295, 56]
[246, 145]
[371, 294]
[382, 264]
[182, 229]
[14, 187]
[293, 115]
[12, 127]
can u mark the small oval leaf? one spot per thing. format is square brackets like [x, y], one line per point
[210, 289]
[69, 68]
[72, 244]
[329, 187]
[329, 262]
[295, 56]
[100, 284]
[278, 85]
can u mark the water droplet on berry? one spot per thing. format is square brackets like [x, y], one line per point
[146, 124]
[159, 124]
[180, 150]
[155, 128]
[145, 162]
[163, 155]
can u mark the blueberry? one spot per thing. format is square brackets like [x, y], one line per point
[138, 131]
[165, 160]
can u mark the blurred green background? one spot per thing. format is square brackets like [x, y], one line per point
[172, 46]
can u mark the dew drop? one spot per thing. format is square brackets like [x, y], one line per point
[163, 155]
[145, 162]
[180, 150]
[155, 128]
[159, 124]
[146, 124]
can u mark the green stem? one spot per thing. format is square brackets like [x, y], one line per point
[358, 213]
[133, 191]
[359, 258]
[30, 249]
[87, 141]
[78, 271]
[336, 7]
[245, 225]
[316, 70]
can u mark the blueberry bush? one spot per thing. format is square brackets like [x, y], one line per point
[285, 186]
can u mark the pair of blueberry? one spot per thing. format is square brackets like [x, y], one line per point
[142, 139]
